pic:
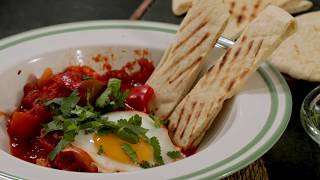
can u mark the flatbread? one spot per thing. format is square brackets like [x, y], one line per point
[180, 7]
[196, 112]
[297, 6]
[299, 55]
[243, 11]
[183, 60]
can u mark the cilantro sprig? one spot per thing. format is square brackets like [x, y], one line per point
[157, 121]
[130, 152]
[66, 103]
[100, 150]
[174, 154]
[154, 142]
[112, 97]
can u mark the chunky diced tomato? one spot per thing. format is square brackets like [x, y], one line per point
[30, 87]
[29, 98]
[146, 69]
[24, 125]
[140, 97]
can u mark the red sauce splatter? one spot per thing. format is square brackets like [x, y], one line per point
[137, 52]
[97, 58]
[141, 53]
[107, 67]
[189, 152]
[104, 61]
[145, 53]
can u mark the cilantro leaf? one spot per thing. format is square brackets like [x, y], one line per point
[130, 152]
[100, 150]
[68, 103]
[135, 120]
[120, 99]
[157, 121]
[174, 154]
[113, 88]
[112, 97]
[134, 125]
[57, 101]
[71, 129]
[154, 142]
[55, 125]
[127, 135]
[67, 139]
[84, 113]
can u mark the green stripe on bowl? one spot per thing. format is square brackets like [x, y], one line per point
[9, 176]
[169, 28]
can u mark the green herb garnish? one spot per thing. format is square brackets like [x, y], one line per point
[68, 137]
[154, 142]
[130, 152]
[313, 115]
[70, 118]
[157, 121]
[55, 125]
[131, 130]
[112, 96]
[100, 150]
[174, 154]
[66, 104]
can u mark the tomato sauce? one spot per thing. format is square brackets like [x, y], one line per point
[24, 126]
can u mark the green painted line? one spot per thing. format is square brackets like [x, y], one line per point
[97, 27]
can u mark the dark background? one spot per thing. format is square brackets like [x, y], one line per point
[295, 155]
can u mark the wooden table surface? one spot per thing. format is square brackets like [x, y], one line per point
[294, 156]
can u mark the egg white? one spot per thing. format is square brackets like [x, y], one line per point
[106, 164]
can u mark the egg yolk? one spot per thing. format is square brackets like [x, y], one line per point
[111, 145]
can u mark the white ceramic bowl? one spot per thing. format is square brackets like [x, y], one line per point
[249, 124]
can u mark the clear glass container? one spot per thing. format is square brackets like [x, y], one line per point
[310, 114]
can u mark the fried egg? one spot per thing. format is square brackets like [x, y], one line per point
[113, 158]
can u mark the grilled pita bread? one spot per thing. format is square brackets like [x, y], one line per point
[243, 11]
[297, 6]
[180, 7]
[196, 112]
[182, 62]
[299, 55]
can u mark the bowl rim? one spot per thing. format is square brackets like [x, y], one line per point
[170, 28]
